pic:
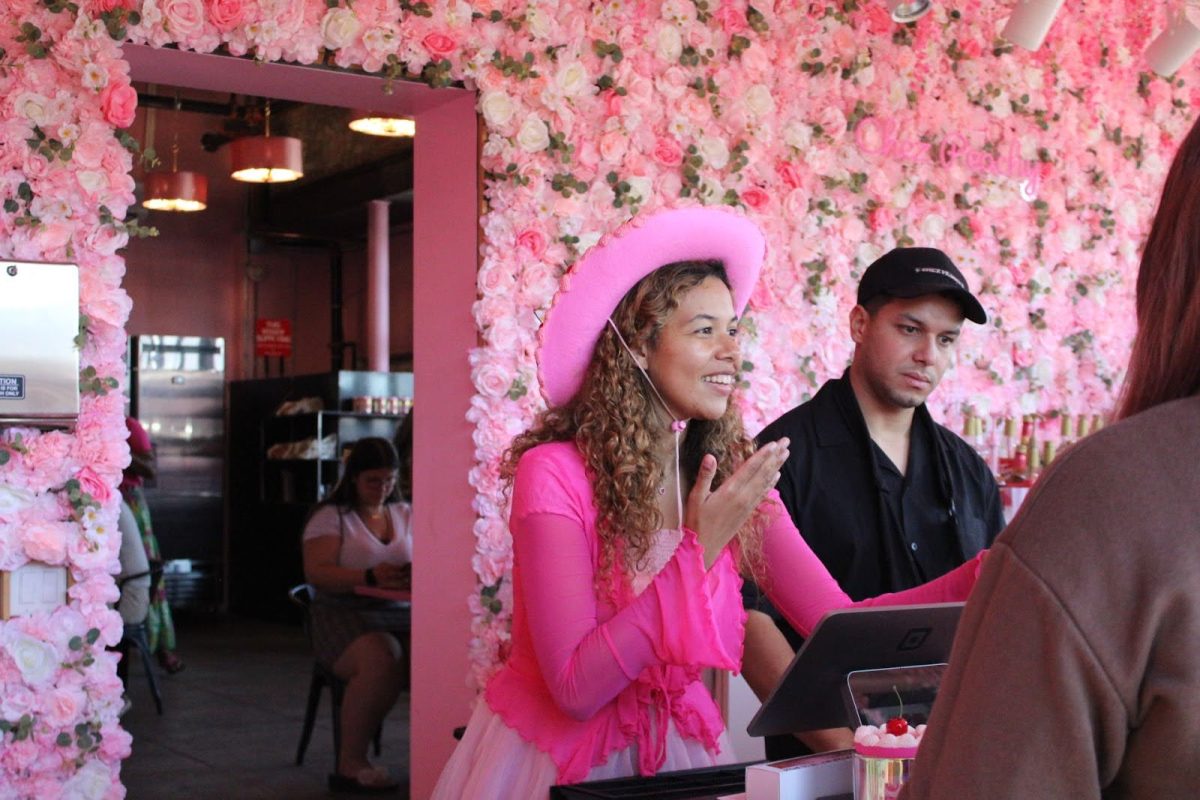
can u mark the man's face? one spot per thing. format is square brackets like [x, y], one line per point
[902, 351]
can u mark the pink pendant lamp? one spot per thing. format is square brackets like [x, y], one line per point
[266, 158]
[175, 190]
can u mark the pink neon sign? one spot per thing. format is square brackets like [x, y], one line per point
[875, 136]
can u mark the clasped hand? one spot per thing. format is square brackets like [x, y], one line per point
[717, 516]
[394, 576]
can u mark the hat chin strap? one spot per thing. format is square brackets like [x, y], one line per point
[678, 426]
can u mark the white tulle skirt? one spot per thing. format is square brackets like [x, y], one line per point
[493, 762]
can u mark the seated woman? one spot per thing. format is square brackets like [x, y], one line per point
[361, 536]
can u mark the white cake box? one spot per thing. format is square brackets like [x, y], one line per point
[824, 775]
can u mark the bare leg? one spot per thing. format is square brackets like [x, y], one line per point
[373, 670]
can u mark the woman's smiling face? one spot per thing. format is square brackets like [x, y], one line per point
[695, 360]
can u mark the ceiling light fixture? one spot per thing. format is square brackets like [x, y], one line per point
[175, 190]
[909, 10]
[266, 158]
[1030, 22]
[1171, 49]
[376, 123]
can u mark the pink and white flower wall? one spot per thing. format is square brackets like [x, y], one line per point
[839, 132]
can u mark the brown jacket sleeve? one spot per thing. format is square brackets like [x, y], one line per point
[1026, 708]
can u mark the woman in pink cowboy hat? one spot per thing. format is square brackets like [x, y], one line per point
[637, 502]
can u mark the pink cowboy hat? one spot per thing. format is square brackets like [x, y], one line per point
[592, 288]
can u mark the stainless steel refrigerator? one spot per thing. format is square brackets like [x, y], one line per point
[177, 392]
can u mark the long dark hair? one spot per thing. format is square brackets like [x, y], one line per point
[366, 454]
[1165, 364]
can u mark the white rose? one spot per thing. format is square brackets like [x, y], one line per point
[1127, 212]
[714, 151]
[1002, 106]
[1072, 239]
[13, 499]
[459, 14]
[1029, 147]
[933, 228]
[36, 660]
[539, 23]
[678, 11]
[91, 180]
[759, 101]
[572, 79]
[91, 782]
[865, 76]
[797, 134]
[533, 136]
[867, 252]
[497, 108]
[32, 106]
[339, 26]
[669, 43]
[711, 191]
[586, 242]
[640, 188]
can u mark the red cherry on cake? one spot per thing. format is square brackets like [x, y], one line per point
[897, 726]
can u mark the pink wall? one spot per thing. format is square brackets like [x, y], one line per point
[446, 248]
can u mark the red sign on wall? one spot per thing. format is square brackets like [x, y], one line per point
[273, 337]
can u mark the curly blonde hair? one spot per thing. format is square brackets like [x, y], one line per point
[610, 421]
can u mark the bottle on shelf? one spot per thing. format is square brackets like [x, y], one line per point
[1067, 431]
[1082, 428]
[1049, 452]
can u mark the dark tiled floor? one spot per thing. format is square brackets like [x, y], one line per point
[231, 721]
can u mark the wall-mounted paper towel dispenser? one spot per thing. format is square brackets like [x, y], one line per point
[39, 362]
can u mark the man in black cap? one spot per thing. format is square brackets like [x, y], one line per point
[886, 497]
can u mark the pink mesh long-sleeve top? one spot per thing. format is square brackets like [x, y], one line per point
[585, 678]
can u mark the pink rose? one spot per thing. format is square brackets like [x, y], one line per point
[788, 173]
[93, 484]
[439, 44]
[61, 706]
[695, 108]
[845, 43]
[755, 198]
[182, 18]
[879, 21]
[612, 102]
[613, 145]
[493, 380]
[496, 279]
[882, 219]
[46, 542]
[732, 20]
[118, 104]
[667, 152]
[226, 14]
[532, 240]
[116, 743]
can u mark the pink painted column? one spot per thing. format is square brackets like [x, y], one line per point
[445, 259]
[378, 271]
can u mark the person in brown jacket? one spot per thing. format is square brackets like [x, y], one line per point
[1076, 669]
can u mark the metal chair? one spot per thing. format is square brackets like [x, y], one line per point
[302, 595]
[135, 635]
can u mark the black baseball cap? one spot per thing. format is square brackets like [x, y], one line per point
[917, 271]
